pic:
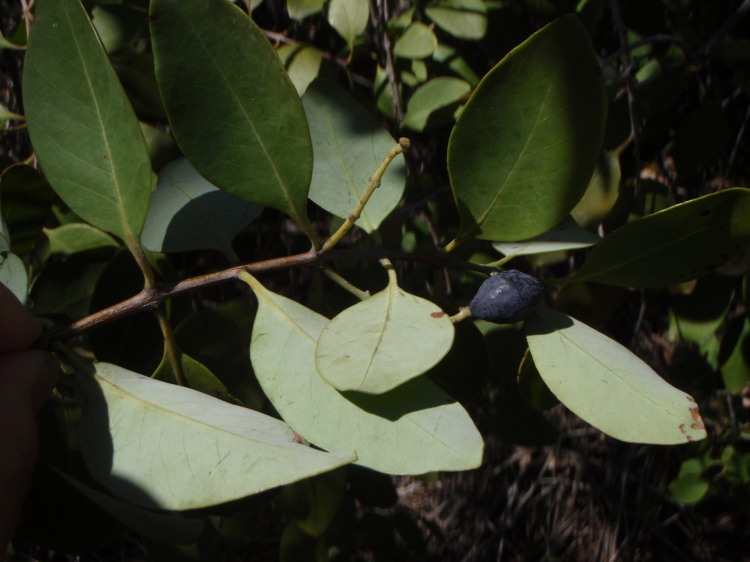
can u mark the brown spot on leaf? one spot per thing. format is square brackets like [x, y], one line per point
[683, 428]
[698, 426]
[438, 314]
[689, 438]
[696, 415]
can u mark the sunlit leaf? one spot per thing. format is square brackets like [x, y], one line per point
[417, 42]
[412, 429]
[302, 63]
[300, 9]
[84, 131]
[675, 245]
[233, 109]
[523, 150]
[429, 99]
[464, 19]
[349, 18]
[383, 341]
[145, 441]
[349, 145]
[188, 213]
[606, 385]
[567, 235]
[77, 237]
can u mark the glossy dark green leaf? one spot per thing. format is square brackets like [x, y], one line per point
[25, 199]
[233, 109]
[82, 126]
[188, 213]
[524, 148]
[675, 245]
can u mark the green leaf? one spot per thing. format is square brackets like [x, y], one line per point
[63, 289]
[300, 9]
[349, 146]
[465, 19]
[412, 429]
[349, 18]
[13, 271]
[696, 316]
[302, 63]
[416, 42]
[602, 192]
[524, 148]
[382, 342]
[736, 369]
[83, 129]
[77, 237]
[197, 376]
[26, 200]
[675, 245]
[145, 440]
[567, 235]
[429, 99]
[188, 213]
[245, 134]
[606, 385]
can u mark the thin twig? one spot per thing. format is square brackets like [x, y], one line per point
[149, 299]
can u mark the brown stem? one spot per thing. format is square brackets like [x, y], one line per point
[151, 298]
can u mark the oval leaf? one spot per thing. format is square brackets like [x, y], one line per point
[606, 385]
[234, 111]
[567, 235]
[464, 19]
[349, 18]
[677, 244]
[417, 42]
[349, 146]
[383, 341]
[523, 150]
[412, 429]
[82, 126]
[437, 94]
[160, 445]
[188, 213]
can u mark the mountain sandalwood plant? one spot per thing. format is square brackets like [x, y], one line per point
[158, 418]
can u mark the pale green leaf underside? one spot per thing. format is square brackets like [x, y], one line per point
[169, 447]
[302, 63]
[349, 145]
[606, 385]
[189, 213]
[524, 148]
[234, 111]
[83, 128]
[383, 341]
[567, 235]
[412, 429]
[674, 245]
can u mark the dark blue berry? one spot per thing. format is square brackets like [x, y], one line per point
[507, 297]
